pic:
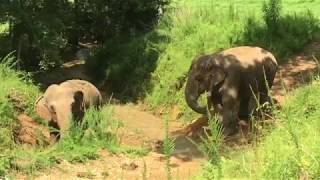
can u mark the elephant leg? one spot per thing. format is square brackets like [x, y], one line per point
[264, 93]
[215, 101]
[230, 111]
[266, 86]
[244, 112]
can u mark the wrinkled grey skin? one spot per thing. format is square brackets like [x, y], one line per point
[230, 77]
[69, 99]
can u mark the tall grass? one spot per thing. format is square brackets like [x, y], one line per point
[194, 30]
[96, 130]
[211, 146]
[153, 68]
[289, 151]
[191, 31]
[82, 142]
[11, 82]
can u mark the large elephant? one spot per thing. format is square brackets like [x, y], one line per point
[69, 99]
[230, 77]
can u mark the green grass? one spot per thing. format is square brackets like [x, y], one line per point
[246, 6]
[290, 149]
[82, 143]
[153, 68]
[193, 28]
[11, 82]
[97, 129]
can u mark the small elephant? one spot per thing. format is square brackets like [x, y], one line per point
[230, 77]
[69, 99]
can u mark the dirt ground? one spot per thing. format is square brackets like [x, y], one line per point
[144, 129]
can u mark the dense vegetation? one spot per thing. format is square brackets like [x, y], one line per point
[153, 67]
[197, 29]
[289, 150]
[45, 32]
[97, 128]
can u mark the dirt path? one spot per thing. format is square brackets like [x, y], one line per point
[145, 130]
[296, 72]
[141, 130]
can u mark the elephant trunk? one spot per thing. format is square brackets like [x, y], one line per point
[192, 95]
[63, 119]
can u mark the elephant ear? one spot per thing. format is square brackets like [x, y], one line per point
[78, 105]
[217, 74]
[41, 109]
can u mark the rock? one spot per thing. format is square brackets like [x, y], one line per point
[87, 175]
[129, 166]
[157, 146]
[195, 126]
[30, 132]
[105, 174]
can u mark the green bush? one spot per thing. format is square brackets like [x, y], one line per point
[126, 65]
[46, 33]
[272, 14]
[290, 150]
[82, 142]
[191, 32]
[283, 35]
[207, 29]
[12, 82]
[95, 131]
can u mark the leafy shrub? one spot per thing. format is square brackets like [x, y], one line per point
[96, 131]
[286, 35]
[129, 61]
[272, 14]
[44, 32]
[290, 150]
[11, 81]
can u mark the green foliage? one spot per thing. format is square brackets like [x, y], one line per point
[11, 82]
[282, 35]
[211, 146]
[44, 32]
[272, 14]
[84, 139]
[129, 61]
[191, 32]
[82, 142]
[121, 17]
[289, 151]
[212, 141]
[193, 29]
[36, 31]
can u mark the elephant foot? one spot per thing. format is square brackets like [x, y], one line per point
[244, 117]
[229, 131]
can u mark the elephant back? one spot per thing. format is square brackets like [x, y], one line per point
[91, 94]
[247, 56]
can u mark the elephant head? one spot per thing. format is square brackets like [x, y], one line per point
[59, 104]
[204, 74]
